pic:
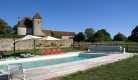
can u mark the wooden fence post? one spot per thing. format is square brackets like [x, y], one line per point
[79, 45]
[85, 46]
[72, 45]
[96, 45]
[127, 47]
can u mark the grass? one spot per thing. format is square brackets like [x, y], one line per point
[38, 52]
[122, 70]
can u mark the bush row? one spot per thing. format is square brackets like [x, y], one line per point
[11, 36]
[20, 36]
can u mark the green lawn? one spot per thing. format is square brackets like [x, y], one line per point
[38, 52]
[121, 70]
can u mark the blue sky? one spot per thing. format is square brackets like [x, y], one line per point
[75, 15]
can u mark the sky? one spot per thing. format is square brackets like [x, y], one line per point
[75, 15]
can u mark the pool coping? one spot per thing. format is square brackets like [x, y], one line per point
[51, 71]
[69, 54]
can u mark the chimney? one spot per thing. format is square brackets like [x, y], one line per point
[18, 20]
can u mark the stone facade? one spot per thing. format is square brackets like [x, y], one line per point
[67, 37]
[21, 31]
[7, 44]
[37, 25]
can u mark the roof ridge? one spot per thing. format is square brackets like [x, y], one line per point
[60, 31]
[44, 29]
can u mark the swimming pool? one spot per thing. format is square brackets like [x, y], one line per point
[47, 62]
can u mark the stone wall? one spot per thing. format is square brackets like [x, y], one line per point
[7, 44]
[67, 37]
[37, 26]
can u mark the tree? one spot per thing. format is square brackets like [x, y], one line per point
[132, 38]
[15, 29]
[2, 25]
[8, 29]
[2, 31]
[75, 38]
[106, 35]
[134, 34]
[99, 36]
[120, 37]
[89, 32]
[80, 36]
[5, 28]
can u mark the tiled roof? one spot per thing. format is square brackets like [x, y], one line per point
[37, 16]
[60, 33]
[47, 32]
[57, 33]
[26, 22]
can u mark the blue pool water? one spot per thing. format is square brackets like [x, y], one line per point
[47, 62]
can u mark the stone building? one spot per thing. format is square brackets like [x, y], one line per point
[33, 26]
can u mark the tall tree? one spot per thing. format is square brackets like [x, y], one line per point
[3, 24]
[89, 32]
[75, 38]
[2, 31]
[106, 35]
[134, 34]
[8, 29]
[15, 29]
[5, 28]
[120, 37]
[99, 36]
[80, 36]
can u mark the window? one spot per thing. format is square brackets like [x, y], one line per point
[28, 31]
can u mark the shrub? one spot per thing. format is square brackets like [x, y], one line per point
[20, 36]
[11, 36]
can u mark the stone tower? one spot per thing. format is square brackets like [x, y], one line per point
[37, 24]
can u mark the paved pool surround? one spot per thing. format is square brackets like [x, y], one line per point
[51, 71]
[42, 57]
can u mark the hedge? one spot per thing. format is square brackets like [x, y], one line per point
[20, 36]
[11, 36]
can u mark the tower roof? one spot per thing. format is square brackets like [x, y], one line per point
[37, 16]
